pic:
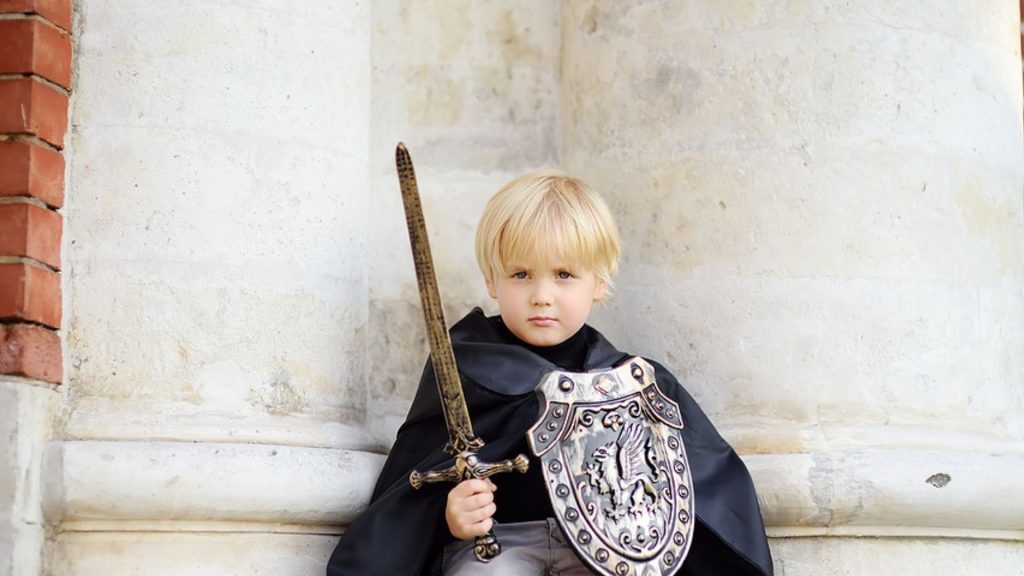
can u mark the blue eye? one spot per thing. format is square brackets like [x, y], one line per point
[521, 275]
[563, 275]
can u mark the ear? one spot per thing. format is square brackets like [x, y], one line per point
[491, 291]
[600, 290]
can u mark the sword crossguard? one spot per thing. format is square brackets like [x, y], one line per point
[468, 465]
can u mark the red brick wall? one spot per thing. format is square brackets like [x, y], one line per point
[35, 82]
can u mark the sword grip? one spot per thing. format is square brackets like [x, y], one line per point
[468, 465]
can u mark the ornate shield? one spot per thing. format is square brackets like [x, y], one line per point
[611, 447]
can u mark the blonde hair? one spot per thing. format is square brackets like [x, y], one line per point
[547, 217]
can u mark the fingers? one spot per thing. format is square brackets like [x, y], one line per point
[473, 530]
[470, 508]
[480, 529]
[473, 486]
[471, 495]
[480, 514]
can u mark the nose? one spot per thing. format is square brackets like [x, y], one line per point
[542, 294]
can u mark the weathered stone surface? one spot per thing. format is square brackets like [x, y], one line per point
[822, 225]
[133, 485]
[836, 556]
[217, 249]
[475, 95]
[470, 86]
[27, 415]
[191, 554]
[822, 219]
[891, 492]
[216, 264]
[834, 241]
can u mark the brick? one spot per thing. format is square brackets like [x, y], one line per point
[31, 107]
[30, 351]
[28, 169]
[57, 11]
[30, 231]
[29, 293]
[31, 47]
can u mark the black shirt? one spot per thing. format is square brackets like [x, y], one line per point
[522, 497]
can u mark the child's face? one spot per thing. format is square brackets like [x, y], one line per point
[544, 305]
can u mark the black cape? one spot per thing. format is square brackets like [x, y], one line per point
[402, 531]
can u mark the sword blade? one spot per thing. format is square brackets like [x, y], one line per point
[453, 403]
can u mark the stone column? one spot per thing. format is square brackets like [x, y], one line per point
[473, 89]
[216, 295]
[821, 209]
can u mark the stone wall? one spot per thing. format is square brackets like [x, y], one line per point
[822, 219]
[217, 304]
[835, 263]
[475, 96]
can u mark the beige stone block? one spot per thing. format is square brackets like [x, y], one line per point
[218, 266]
[475, 95]
[811, 212]
[110, 485]
[220, 340]
[475, 90]
[834, 556]
[191, 554]
[818, 351]
[27, 413]
[891, 492]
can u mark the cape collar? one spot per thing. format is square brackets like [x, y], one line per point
[485, 355]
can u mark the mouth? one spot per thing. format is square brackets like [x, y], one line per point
[541, 321]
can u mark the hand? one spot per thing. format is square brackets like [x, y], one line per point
[470, 507]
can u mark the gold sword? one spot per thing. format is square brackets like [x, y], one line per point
[462, 443]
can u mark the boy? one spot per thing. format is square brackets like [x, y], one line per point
[548, 249]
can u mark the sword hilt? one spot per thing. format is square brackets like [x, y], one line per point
[468, 465]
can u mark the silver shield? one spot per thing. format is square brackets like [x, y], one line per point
[611, 449]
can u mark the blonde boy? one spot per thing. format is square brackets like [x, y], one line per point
[546, 243]
[548, 249]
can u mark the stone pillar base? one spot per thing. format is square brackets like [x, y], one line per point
[199, 508]
[884, 556]
[190, 554]
[887, 482]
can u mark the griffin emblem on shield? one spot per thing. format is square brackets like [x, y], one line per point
[615, 467]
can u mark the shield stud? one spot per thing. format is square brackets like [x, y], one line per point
[615, 467]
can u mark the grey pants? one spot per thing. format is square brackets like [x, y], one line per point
[527, 549]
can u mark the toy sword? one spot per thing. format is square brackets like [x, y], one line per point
[462, 443]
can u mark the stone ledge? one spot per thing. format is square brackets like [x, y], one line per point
[923, 493]
[199, 482]
[186, 486]
[190, 554]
